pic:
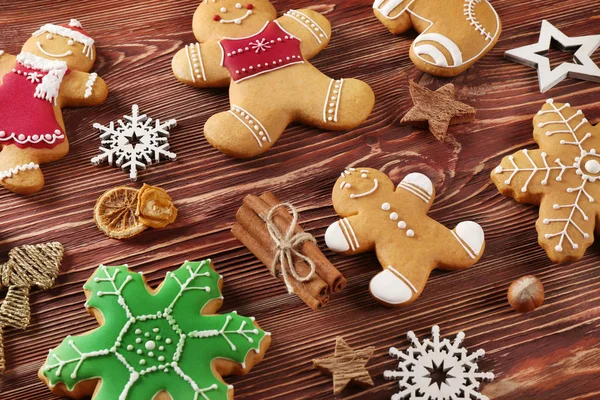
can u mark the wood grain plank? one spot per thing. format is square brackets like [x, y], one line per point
[552, 354]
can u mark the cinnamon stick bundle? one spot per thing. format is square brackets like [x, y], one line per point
[253, 231]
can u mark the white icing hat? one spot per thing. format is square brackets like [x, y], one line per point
[73, 30]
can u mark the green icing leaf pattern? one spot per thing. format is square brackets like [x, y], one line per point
[154, 342]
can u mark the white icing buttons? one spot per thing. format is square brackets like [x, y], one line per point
[402, 225]
[385, 206]
[410, 233]
[150, 345]
[592, 166]
[394, 216]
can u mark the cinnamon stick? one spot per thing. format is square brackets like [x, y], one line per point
[257, 228]
[263, 204]
[265, 254]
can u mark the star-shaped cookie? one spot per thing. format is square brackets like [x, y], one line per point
[583, 66]
[437, 110]
[347, 366]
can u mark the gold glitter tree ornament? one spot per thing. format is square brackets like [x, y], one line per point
[28, 266]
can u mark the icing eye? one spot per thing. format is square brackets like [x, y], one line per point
[70, 42]
[249, 6]
[223, 10]
[238, 5]
[49, 36]
[217, 18]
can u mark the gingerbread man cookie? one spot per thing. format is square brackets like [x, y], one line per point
[264, 61]
[50, 73]
[393, 221]
[454, 34]
[562, 177]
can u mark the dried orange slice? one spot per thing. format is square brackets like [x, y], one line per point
[114, 213]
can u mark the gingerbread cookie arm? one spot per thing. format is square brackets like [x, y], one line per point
[200, 65]
[350, 235]
[312, 28]
[83, 89]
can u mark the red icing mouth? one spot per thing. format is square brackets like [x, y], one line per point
[249, 6]
[217, 17]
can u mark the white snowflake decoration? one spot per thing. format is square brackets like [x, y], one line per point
[135, 143]
[416, 365]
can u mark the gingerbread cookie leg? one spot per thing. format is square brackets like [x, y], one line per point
[246, 130]
[394, 14]
[337, 104]
[18, 172]
[403, 281]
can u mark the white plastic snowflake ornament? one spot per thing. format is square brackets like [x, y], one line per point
[135, 143]
[438, 370]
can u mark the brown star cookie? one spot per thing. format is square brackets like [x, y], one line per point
[437, 110]
[346, 366]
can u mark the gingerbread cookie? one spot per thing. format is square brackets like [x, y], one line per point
[50, 73]
[393, 221]
[454, 34]
[562, 177]
[264, 60]
[161, 344]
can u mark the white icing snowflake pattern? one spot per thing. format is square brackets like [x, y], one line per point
[461, 379]
[260, 45]
[135, 143]
[567, 149]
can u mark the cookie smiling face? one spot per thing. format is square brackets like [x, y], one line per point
[68, 43]
[217, 19]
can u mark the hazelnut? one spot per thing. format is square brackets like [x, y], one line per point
[526, 294]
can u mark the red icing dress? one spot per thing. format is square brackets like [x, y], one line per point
[27, 98]
[270, 49]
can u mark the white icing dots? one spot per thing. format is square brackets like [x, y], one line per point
[394, 216]
[238, 6]
[223, 10]
[410, 233]
[385, 206]
[332, 103]
[402, 225]
[150, 345]
[592, 166]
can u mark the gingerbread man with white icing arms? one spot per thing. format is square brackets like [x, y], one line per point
[51, 72]
[454, 34]
[264, 61]
[393, 222]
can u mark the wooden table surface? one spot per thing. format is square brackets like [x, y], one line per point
[551, 354]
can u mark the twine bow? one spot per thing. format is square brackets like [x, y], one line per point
[286, 244]
[28, 266]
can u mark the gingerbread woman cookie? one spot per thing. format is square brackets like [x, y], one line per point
[454, 34]
[160, 344]
[264, 61]
[393, 221]
[562, 177]
[50, 73]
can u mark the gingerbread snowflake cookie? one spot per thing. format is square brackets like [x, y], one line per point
[454, 34]
[51, 72]
[157, 344]
[264, 60]
[562, 177]
[393, 221]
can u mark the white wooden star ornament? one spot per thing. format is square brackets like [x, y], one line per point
[533, 55]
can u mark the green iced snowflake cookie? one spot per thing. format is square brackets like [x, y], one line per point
[156, 344]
